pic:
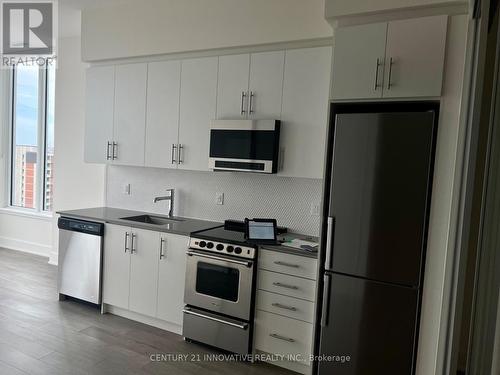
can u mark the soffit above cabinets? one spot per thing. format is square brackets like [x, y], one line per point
[348, 12]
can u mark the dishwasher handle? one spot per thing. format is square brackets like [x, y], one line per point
[82, 226]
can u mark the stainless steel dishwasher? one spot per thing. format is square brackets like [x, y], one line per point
[80, 259]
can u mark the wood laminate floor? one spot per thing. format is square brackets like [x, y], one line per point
[40, 335]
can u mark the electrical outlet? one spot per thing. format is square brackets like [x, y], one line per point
[126, 189]
[315, 208]
[219, 198]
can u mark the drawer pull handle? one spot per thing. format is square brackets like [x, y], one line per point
[291, 265]
[281, 285]
[279, 337]
[285, 307]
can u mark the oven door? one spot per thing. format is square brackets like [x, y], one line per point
[219, 284]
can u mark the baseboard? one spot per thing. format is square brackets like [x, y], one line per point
[158, 323]
[25, 246]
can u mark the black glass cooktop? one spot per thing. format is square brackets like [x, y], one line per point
[222, 235]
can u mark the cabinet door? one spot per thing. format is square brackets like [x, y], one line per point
[145, 249]
[356, 74]
[266, 85]
[417, 48]
[305, 107]
[171, 278]
[162, 122]
[99, 104]
[116, 265]
[130, 113]
[197, 110]
[232, 86]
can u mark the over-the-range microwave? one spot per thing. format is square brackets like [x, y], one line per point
[244, 145]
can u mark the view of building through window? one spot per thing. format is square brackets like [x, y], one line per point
[32, 137]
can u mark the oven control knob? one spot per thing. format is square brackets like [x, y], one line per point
[220, 247]
[210, 245]
[229, 249]
[202, 244]
[237, 250]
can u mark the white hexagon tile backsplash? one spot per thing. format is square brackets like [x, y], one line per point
[245, 195]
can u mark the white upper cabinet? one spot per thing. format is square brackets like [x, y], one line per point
[232, 86]
[305, 111]
[162, 115]
[99, 106]
[171, 277]
[399, 59]
[266, 85]
[415, 57]
[130, 114]
[198, 101]
[144, 250]
[358, 55]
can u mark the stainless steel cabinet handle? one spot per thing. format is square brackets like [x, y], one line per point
[243, 263]
[279, 337]
[284, 307]
[174, 151]
[250, 104]
[108, 154]
[376, 75]
[126, 241]
[329, 243]
[242, 107]
[389, 83]
[162, 252]
[286, 286]
[180, 154]
[326, 301]
[190, 312]
[133, 249]
[115, 150]
[291, 265]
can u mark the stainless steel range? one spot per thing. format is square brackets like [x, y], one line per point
[219, 291]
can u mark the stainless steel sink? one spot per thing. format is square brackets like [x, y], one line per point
[155, 220]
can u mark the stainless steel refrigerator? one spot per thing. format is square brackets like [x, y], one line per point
[378, 181]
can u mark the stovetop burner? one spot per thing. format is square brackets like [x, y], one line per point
[224, 241]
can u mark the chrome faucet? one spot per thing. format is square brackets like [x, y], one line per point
[170, 198]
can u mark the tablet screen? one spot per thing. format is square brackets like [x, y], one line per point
[261, 230]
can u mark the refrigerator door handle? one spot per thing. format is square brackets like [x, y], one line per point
[329, 242]
[326, 301]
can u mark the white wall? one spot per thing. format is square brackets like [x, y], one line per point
[440, 241]
[150, 27]
[76, 184]
[245, 195]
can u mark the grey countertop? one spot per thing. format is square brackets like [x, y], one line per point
[184, 227]
[115, 215]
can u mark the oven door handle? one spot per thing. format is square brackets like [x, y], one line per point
[190, 312]
[240, 262]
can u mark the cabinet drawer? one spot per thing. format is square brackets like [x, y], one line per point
[287, 263]
[284, 305]
[287, 285]
[276, 334]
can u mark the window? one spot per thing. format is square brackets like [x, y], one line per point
[32, 134]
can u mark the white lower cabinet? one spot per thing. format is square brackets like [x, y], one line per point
[144, 272]
[116, 268]
[171, 277]
[286, 291]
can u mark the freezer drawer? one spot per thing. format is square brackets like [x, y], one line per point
[373, 323]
